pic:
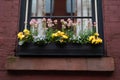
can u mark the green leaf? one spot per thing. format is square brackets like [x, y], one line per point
[21, 42]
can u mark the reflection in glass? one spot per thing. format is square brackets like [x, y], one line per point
[69, 6]
[84, 8]
[42, 7]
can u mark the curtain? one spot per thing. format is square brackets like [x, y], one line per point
[84, 9]
[68, 6]
[48, 7]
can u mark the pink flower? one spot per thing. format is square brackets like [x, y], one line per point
[74, 24]
[94, 23]
[55, 21]
[63, 26]
[50, 25]
[44, 20]
[33, 21]
[70, 21]
[79, 22]
[62, 20]
[65, 23]
[68, 25]
[37, 22]
[49, 21]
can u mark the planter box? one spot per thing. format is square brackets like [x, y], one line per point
[67, 50]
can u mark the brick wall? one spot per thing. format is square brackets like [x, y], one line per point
[9, 18]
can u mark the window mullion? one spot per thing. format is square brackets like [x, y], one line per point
[82, 14]
[51, 8]
[71, 8]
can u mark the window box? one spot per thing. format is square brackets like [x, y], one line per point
[68, 50]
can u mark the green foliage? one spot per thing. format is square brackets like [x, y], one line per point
[39, 41]
[84, 36]
[27, 39]
[49, 32]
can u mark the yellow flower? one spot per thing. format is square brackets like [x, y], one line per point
[26, 32]
[61, 41]
[65, 37]
[59, 36]
[59, 33]
[96, 41]
[91, 38]
[20, 35]
[93, 41]
[54, 35]
[96, 34]
[62, 33]
[100, 40]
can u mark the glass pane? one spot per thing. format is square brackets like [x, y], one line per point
[83, 25]
[69, 6]
[34, 12]
[48, 7]
[84, 8]
[37, 8]
[81, 8]
[36, 27]
[42, 8]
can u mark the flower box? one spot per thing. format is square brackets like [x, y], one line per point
[69, 50]
[52, 41]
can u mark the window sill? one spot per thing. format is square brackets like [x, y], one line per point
[63, 64]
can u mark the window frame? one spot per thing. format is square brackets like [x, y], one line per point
[28, 52]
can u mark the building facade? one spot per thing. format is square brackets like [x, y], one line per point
[40, 68]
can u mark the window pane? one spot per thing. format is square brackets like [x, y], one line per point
[81, 8]
[48, 7]
[83, 25]
[34, 12]
[37, 8]
[42, 8]
[71, 5]
[84, 8]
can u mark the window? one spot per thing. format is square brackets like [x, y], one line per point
[84, 11]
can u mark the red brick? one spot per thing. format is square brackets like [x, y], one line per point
[115, 49]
